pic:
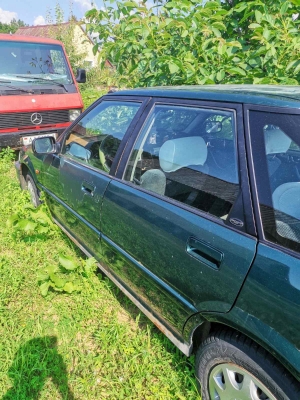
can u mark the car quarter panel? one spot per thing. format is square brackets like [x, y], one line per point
[266, 309]
[270, 300]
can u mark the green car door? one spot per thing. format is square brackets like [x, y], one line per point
[174, 226]
[76, 178]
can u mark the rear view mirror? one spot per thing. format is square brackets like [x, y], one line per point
[81, 75]
[213, 126]
[44, 145]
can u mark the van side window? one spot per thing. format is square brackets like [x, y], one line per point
[95, 139]
[188, 154]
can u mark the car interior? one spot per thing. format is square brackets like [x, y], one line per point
[195, 165]
[283, 160]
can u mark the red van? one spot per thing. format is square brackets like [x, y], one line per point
[38, 92]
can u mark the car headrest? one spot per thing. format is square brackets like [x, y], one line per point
[154, 180]
[179, 153]
[276, 141]
[286, 198]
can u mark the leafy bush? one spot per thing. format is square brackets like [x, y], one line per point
[30, 223]
[91, 94]
[187, 42]
[97, 84]
[6, 157]
[68, 277]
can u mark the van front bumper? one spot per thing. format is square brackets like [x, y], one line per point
[14, 139]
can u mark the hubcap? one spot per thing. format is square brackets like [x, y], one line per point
[32, 194]
[230, 382]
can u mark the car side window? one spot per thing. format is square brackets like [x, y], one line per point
[279, 183]
[188, 154]
[95, 139]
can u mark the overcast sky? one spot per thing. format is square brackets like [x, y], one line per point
[34, 12]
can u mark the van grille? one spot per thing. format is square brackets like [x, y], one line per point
[16, 120]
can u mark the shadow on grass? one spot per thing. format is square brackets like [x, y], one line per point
[35, 362]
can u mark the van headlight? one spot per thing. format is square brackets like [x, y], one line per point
[73, 114]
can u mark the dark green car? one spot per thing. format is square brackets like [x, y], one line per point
[189, 198]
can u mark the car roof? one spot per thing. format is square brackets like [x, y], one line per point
[28, 39]
[268, 95]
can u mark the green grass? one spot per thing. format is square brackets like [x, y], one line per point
[89, 345]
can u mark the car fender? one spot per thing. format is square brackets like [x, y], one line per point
[26, 166]
[250, 326]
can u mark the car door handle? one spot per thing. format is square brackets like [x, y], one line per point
[204, 252]
[88, 188]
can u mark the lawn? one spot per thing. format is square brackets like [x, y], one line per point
[92, 344]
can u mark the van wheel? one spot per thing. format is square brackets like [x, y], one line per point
[231, 366]
[33, 191]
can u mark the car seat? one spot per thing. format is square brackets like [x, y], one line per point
[277, 142]
[154, 180]
[286, 199]
[108, 149]
[183, 162]
[183, 152]
[174, 156]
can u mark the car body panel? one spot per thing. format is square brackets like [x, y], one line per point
[155, 233]
[271, 295]
[268, 95]
[266, 309]
[64, 182]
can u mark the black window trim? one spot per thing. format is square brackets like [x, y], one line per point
[130, 99]
[244, 183]
[253, 179]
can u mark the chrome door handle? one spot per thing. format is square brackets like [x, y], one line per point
[204, 252]
[88, 188]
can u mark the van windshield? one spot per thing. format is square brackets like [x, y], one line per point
[33, 63]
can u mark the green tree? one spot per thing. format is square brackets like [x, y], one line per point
[190, 42]
[65, 33]
[12, 27]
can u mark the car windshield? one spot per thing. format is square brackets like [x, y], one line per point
[33, 63]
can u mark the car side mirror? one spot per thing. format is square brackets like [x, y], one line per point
[81, 75]
[44, 145]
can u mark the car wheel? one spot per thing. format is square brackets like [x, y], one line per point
[231, 366]
[33, 191]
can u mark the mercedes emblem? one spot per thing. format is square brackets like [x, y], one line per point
[36, 118]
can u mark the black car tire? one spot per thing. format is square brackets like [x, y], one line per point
[33, 191]
[231, 366]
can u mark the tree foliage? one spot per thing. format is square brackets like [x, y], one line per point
[12, 27]
[190, 42]
[65, 33]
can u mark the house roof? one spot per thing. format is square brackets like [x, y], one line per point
[47, 30]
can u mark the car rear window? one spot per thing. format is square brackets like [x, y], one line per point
[277, 169]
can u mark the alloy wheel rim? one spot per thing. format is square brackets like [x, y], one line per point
[230, 382]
